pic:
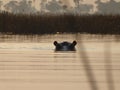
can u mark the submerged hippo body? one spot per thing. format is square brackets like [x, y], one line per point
[65, 46]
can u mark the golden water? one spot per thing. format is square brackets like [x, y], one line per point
[30, 63]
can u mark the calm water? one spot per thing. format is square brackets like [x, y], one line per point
[30, 63]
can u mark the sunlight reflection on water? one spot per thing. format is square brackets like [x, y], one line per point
[29, 62]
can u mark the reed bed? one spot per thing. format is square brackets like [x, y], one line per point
[62, 23]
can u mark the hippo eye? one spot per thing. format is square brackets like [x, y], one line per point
[55, 43]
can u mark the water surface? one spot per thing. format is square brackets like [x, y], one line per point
[29, 62]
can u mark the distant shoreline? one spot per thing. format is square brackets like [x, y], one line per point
[63, 23]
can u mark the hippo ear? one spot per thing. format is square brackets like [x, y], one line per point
[55, 43]
[74, 43]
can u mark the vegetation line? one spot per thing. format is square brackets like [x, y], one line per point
[50, 24]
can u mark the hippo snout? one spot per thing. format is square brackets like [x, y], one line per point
[65, 46]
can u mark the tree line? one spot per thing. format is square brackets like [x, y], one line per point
[63, 23]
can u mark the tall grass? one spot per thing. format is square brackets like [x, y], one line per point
[49, 24]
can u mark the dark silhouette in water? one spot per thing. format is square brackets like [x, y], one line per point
[65, 46]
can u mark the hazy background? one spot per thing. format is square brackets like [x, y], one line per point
[60, 6]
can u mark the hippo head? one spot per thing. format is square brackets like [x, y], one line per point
[65, 46]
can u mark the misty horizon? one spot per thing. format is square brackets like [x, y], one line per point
[61, 6]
